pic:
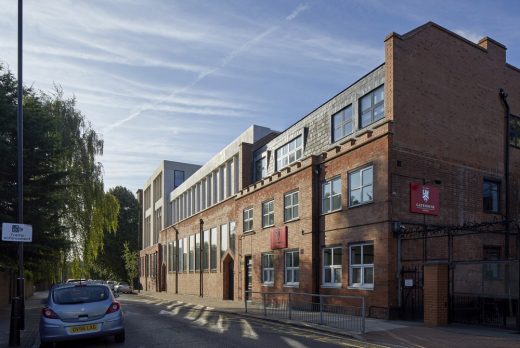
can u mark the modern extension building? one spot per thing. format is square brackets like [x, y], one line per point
[403, 188]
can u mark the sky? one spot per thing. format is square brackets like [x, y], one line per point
[181, 79]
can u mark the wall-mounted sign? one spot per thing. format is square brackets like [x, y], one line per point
[279, 237]
[408, 283]
[16, 232]
[424, 199]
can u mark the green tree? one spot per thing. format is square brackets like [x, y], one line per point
[131, 259]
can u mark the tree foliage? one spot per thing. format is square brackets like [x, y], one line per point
[64, 198]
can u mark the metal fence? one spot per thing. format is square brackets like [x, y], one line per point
[343, 312]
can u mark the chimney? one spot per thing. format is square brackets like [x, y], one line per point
[495, 49]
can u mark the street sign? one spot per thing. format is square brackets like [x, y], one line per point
[16, 232]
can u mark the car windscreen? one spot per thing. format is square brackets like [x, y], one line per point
[80, 294]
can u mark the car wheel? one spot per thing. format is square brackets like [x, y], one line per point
[120, 337]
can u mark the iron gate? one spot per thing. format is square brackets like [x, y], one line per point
[412, 307]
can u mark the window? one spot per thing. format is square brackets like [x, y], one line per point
[192, 253]
[261, 168]
[331, 195]
[178, 178]
[362, 266]
[268, 268]
[179, 262]
[490, 194]
[169, 257]
[491, 270]
[223, 239]
[342, 123]
[197, 252]
[289, 153]
[205, 257]
[173, 258]
[292, 268]
[514, 131]
[290, 206]
[332, 266]
[232, 236]
[213, 253]
[372, 107]
[361, 186]
[268, 214]
[185, 254]
[248, 220]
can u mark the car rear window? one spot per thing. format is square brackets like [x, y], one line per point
[80, 294]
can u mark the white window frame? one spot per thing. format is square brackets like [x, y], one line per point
[291, 206]
[248, 219]
[268, 272]
[293, 270]
[268, 214]
[361, 266]
[333, 267]
[293, 148]
[330, 184]
[340, 121]
[363, 186]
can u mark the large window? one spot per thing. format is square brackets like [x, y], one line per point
[197, 252]
[361, 186]
[268, 214]
[292, 268]
[289, 153]
[205, 257]
[331, 195]
[192, 253]
[185, 254]
[372, 107]
[332, 266]
[178, 178]
[179, 254]
[362, 266]
[490, 194]
[291, 204]
[342, 123]
[232, 236]
[223, 239]
[268, 268]
[248, 219]
[514, 131]
[213, 254]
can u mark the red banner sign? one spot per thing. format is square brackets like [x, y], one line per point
[279, 238]
[424, 199]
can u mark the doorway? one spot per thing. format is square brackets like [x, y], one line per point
[249, 277]
[228, 275]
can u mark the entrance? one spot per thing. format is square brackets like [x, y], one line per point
[412, 293]
[249, 276]
[228, 275]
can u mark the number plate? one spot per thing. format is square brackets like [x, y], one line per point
[83, 328]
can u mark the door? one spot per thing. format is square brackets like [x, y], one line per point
[231, 279]
[249, 276]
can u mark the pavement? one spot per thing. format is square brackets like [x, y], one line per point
[378, 332]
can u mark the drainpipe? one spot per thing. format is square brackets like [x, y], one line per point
[176, 260]
[316, 173]
[201, 282]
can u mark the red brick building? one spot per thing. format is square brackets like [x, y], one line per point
[404, 169]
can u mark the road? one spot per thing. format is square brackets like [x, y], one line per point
[153, 323]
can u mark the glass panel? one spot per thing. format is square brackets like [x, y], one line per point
[367, 194]
[379, 95]
[379, 112]
[337, 275]
[355, 197]
[368, 254]
[326, 190]
[367, 176]
[288, 260]
[295, 197]
[355, 256]
[326, 205]
[336, 186]
[299, 141]
[356, 276]
[296, 259]
[327, 257]
[366, 119]
[336, 202]
[328, 275]
[288, 276]
[355, 181]
[296, 275]
[366, 102]
[369, 275]
[287, 200]
[337, 257]
[347, 128]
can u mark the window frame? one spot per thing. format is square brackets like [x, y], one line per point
[213, 263]
[325, 184]
[247, 223]
[268, 272]
[372, 108]
[362, 187]
[291, 206]
[498, 188]
[280, 155]
[268, 215]
[341, 113]
[332, 267]
[292, 269]
[362, 266]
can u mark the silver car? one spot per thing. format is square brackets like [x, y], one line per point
[123, 287]
[76, 311]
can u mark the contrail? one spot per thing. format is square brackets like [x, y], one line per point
[228, 59]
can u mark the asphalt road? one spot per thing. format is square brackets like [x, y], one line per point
[152, 323]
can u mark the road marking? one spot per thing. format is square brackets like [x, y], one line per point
[293, 343]
[247, 330]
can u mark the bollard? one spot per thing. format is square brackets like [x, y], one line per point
[14, 329]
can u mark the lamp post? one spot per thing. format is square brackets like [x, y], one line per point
[201, 281]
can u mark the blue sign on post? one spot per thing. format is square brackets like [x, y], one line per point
[16, 233]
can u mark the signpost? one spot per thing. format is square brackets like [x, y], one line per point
[16, 233]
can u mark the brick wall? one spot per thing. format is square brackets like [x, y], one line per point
[436, 294]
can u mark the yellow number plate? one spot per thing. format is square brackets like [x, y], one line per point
[83, 328]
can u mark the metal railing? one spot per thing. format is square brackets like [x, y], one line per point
[343, 312]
